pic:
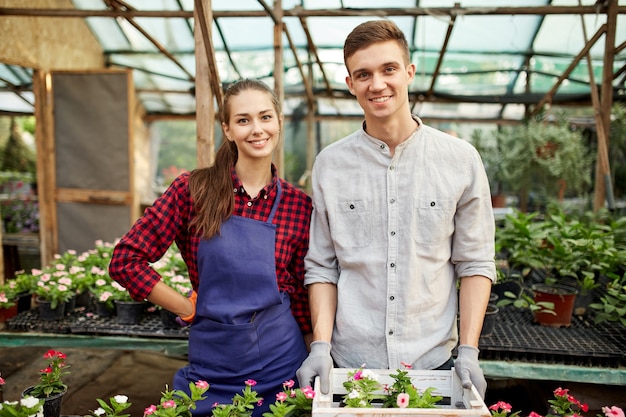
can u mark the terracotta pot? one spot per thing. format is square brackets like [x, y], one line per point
[7, 313]
[562, 296]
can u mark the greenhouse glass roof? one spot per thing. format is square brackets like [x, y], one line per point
[476, 59]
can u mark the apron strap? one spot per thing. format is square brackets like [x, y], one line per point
[279, 192]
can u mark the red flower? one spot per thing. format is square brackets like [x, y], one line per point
[560, 392]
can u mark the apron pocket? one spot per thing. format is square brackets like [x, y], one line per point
[224, 348]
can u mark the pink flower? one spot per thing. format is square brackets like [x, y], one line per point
[250, 382]
[403, 400]
[501, 405]
[281, 396]
[3, 298]
[2, 383]
[533, 414]
[406, 365]
[289, 384]
[260, 402]
[202, 384]
[308, 392]
[358, 375]
[150, 410]
[613, 411]
[169, 404]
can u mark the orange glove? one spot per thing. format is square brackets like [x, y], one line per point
[193, 297]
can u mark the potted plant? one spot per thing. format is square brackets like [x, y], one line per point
[546, 157]
[128, 311]
[52, 291]
[8, 302]
[612, 305]
[51, 387]
[173, 271]
[115, 408]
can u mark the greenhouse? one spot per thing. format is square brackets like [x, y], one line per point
[106, 104]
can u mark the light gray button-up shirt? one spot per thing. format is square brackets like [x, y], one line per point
[394, 234]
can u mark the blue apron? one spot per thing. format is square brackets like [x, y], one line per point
[243, 328]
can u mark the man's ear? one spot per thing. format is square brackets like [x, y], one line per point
[349, 84]
[411, 71]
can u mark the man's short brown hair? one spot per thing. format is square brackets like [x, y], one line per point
[371, 32]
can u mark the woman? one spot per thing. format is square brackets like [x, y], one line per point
[243, 233]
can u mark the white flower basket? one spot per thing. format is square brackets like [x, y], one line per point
[457, 401]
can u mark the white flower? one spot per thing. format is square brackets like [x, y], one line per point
[368, 374]
[354, 394]
[99, 411]
[29, 401]
[121, 399]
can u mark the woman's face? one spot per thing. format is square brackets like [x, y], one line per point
[254, 125]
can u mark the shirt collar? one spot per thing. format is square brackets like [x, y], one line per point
[238, 185]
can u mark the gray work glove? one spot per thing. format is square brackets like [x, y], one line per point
[468, 370]
[318, 363]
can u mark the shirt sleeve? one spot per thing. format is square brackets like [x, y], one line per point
[149, 238]
[473, 246]
[321, 260]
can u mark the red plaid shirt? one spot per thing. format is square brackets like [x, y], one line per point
[167, 221]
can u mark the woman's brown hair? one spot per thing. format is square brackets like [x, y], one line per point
[212, 188]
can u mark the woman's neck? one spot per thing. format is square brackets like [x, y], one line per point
[254, 177]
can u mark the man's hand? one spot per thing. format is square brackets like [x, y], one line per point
[468, 370]
[187, 320]
[318, 363]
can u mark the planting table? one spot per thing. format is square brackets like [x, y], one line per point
[516, 348]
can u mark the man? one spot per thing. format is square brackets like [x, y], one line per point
[402, 212]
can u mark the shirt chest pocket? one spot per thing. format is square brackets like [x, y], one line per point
[353, 224]
[433, 220]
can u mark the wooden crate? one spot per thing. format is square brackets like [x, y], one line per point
[459, 401]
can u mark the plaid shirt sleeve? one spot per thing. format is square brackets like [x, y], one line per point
[150, 237]
[293, 221]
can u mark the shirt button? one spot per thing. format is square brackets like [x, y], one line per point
[265, 197]
[432, 204]
[393, 233]
[351, 206]
[249, 204]
[391, 168]
[392, 265]
[390, 332]
[393, 200]
[234, 190]
[382, 146]
[392, 298]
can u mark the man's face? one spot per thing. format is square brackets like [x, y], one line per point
[380, 78]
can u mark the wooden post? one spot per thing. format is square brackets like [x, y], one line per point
[46, 176]
[603, 119]
[279, 153]
[205, 108]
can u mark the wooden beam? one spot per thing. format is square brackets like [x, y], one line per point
[301, 12]
[207, 81]
[548, 96]
[444, 47]
[118, 5]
